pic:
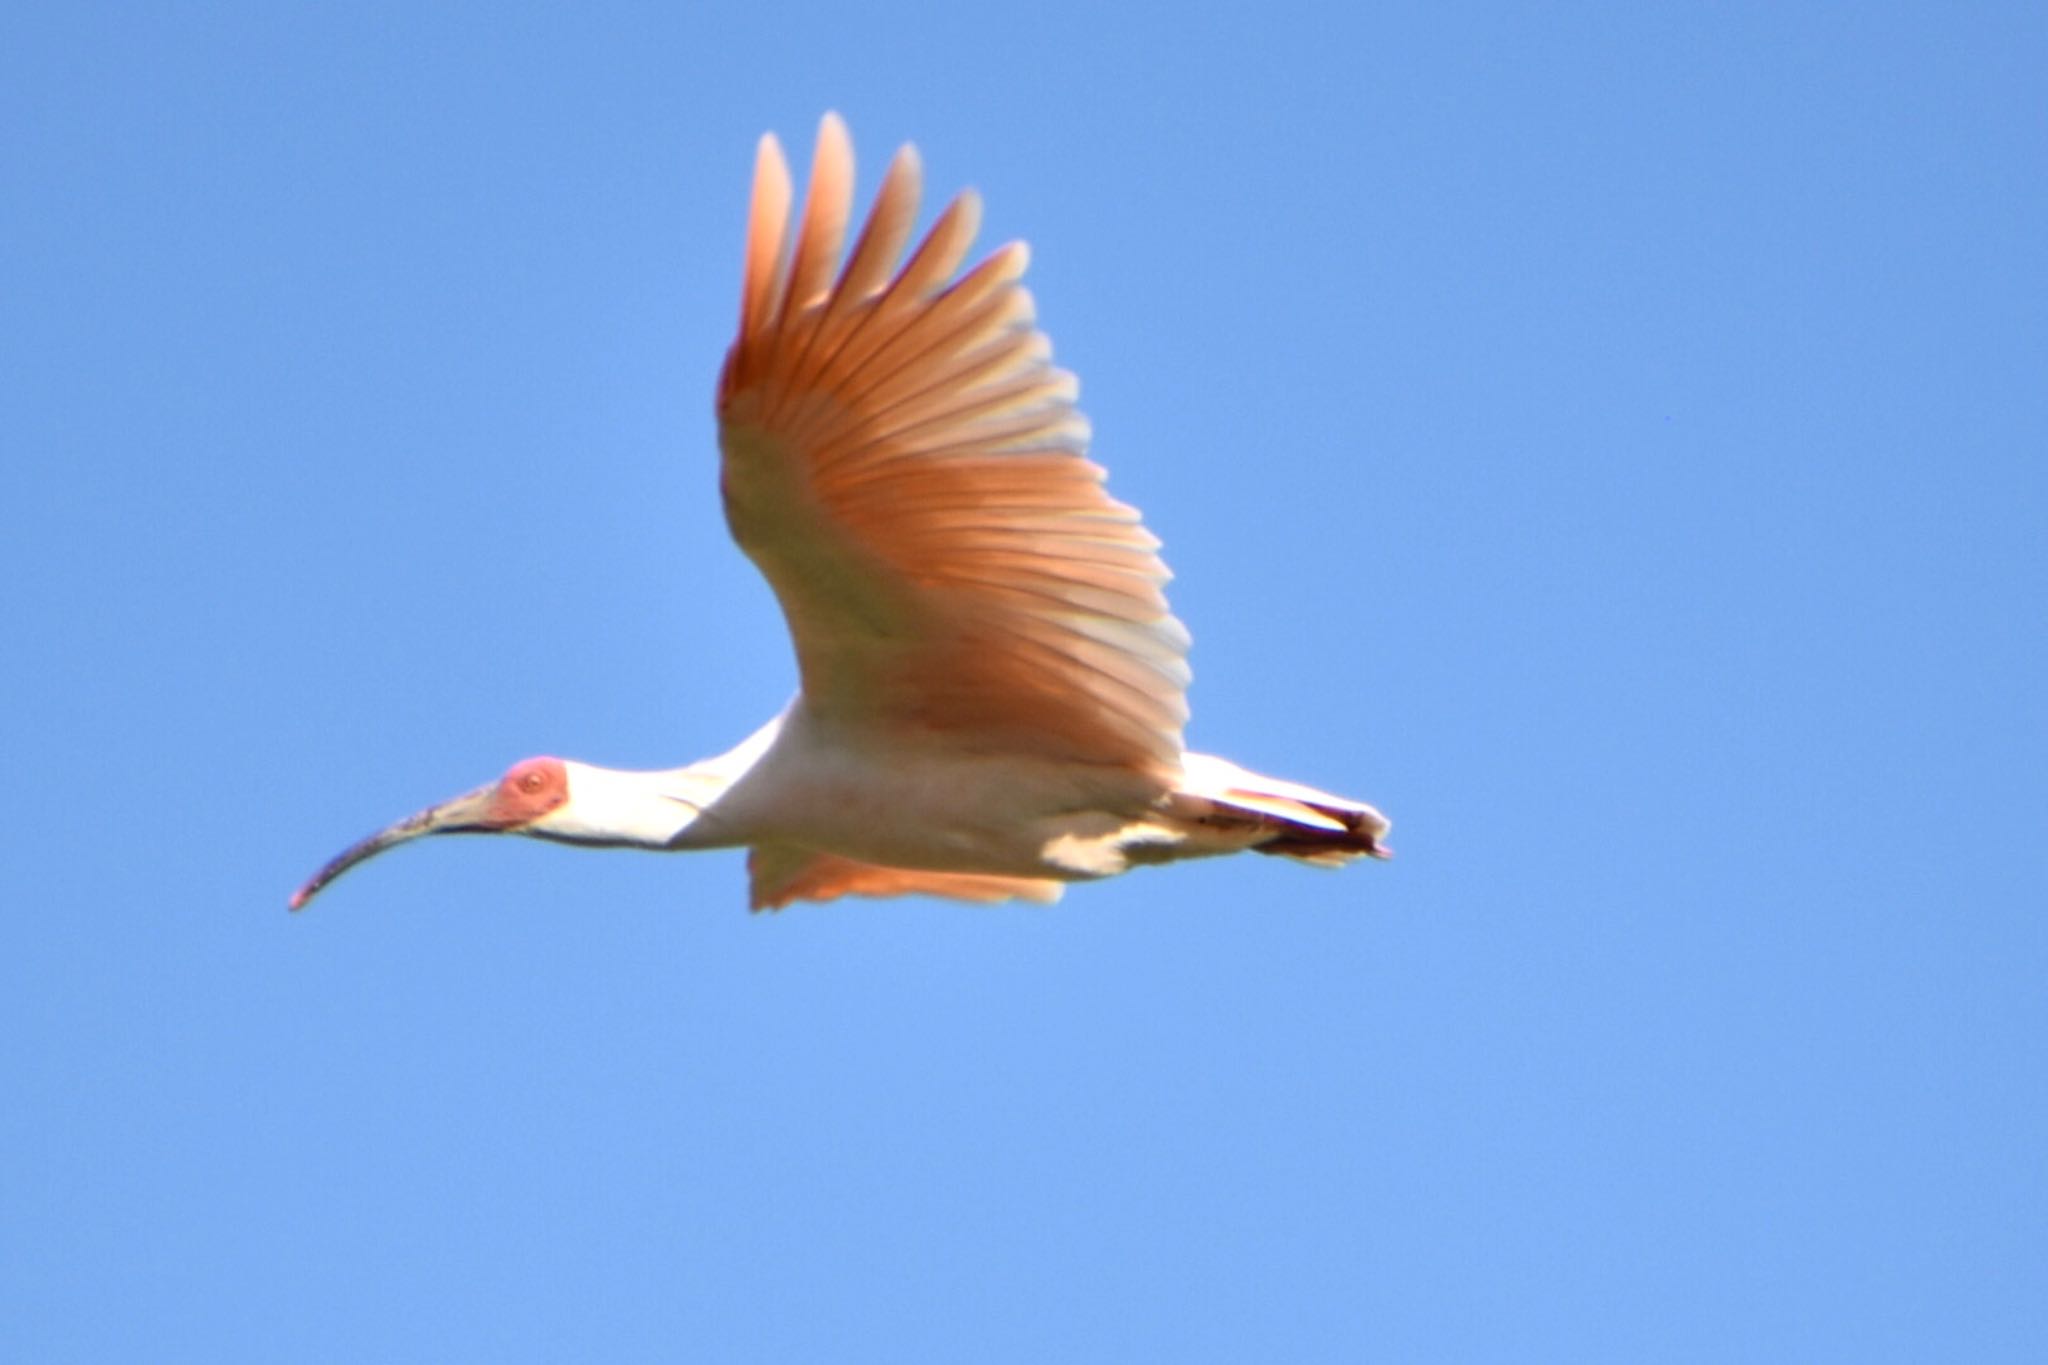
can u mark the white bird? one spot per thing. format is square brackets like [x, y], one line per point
[992, 685]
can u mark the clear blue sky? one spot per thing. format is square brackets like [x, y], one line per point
[1610, 438]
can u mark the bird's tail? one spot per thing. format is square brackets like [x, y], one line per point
[1284, 819]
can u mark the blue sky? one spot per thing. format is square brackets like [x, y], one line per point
[1610, 438]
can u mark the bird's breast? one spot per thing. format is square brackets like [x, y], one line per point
[916, 801]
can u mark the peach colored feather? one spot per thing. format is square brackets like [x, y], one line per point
[907, 468]
[779, 875]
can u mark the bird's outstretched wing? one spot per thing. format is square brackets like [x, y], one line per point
[906, 466]
[781, 874]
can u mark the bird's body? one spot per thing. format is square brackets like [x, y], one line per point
[924, 804]
[992, 683]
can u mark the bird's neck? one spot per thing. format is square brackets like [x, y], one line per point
[652, 809]
[635, 809]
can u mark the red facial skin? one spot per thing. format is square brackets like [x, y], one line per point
[530, 790]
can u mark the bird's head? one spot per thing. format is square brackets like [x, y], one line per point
[552, 798]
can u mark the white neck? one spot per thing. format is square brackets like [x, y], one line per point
[646, 809]
[640, 809]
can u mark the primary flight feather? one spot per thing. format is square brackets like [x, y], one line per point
[992, 685]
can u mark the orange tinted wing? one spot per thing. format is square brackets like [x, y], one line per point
[779, 875]
[906, 466]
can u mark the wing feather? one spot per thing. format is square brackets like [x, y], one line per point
[827, 205]
[936, 257]
[780, 874]
[909, 470]
[767, 219]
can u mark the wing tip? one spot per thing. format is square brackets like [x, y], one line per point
[767, 228]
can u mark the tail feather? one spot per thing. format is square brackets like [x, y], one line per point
[1283, 819]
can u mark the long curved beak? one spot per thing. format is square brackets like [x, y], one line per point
[464, 813]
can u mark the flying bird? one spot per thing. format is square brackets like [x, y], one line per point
[992, 685]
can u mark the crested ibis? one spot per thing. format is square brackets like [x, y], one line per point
[992, 685]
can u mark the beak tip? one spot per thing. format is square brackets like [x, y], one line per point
[465, 812]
